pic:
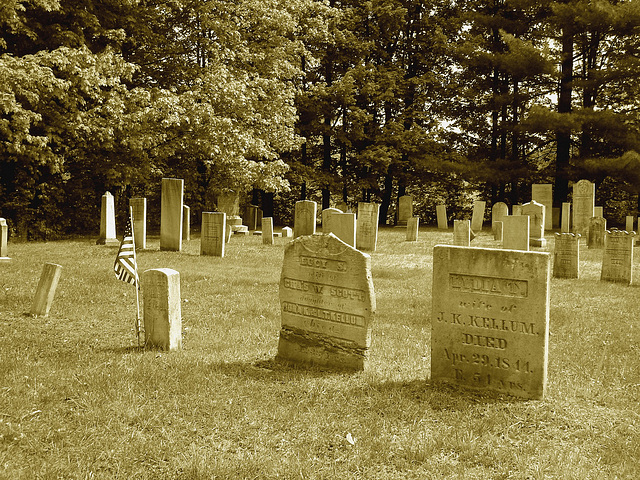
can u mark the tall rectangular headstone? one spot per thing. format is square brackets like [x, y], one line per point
[515, 232]
[267, 230]
[139, 208]
[597, 228]
[367, 226]
[598, 212]
[405, 209]
[305, 218]
[498, 231]
[171, 203]
[327, 303]
[326, 217]
[490, 319]
[499, 210]
[566, 255]
[213, 234]
[477, 218]
[584, 194]
[186, 223]
[107, 222]
[4, 237]
[343, 226]
[536, 213]
[462, 233]
[46, 289]
[566, 217]
[543, 194]
[413, 225]
[629, 223]
[251, 217]
[161, 308]
[617, 261]
[441, 214]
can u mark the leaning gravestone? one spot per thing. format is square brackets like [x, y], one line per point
[267, 230]
[327, 303]
[162, 311]
[212, 235]
[462, 233]
[543, 194]
[584, 194]
[305, 218]
[597, 228]
[367, 226]
[490, 319]
[107, 222]
[515, 232]
[4, 238]
[343, 226]
[139, 211]
[405, 209]
[499, 210]
[46, 289]
[477, 217]
[566, 255]
[441, 214]
[536, 213]
[617, 261]
[171, 203]
[413, 225]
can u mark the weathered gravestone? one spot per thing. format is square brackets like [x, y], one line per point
[287, 232]
[326, 217]
[405, 209]
[477, 217]
[413, 224]
[566, 218]
[171, 203]
[584, 194]
[617, 261]
[497, 231]
[107, 222]
[267, 230]
[462, 233]
[139, 212]
[516, 210]
[515, 232]
[367, 226]
[629, 223]
[490, 319]
[186, 223]
[343, 226]
[162, 311]
[212, 234]
[4, 238]
[536, 213]
[499, 210]
[441, 214]
[46, 289]
[327, 303]
[598, 212]
[252, 217]
[305, 218]
[566, 255]
[543, 194]
[597, 228]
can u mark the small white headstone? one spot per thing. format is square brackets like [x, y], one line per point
[186, 223]
[536, 213]
[162, 310]
[108, 222]
[4, 238]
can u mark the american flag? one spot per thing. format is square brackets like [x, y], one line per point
[126, 266]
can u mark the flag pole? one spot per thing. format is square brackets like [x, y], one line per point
[137, 281]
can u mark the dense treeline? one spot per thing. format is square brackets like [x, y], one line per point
[329, 100]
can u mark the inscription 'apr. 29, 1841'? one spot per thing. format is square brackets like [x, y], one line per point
[490, 319]
[327, 302]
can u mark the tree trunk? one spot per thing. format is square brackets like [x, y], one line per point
[563, 135]
[386, 199]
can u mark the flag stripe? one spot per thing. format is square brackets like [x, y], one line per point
[126, 266]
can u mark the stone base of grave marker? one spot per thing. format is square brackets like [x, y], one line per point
[240, 230]
[538, 242]
[109, 242]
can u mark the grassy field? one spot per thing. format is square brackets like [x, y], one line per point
[79, 400]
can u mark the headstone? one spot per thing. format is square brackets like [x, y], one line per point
[139, 208]
[229, 203]
[327, 303]
[4, 238]
[305, 218]
[251, 217]
[171, 204]
[477, 218]
[367, 226]
[405, 209]
[162, 311]
[413, 225]
[629, 223]
[598, 212]
[441, 214]
[516, 210]
[267, 230]
[543, 193]
[490, 319]
[566, 255]
[46, 289]
[536, 213]
[566, 217]
[617, 261]
[233, 222]
[499, 210]
[497, 231]
[584, 194]
[515, 232]
[597, 228]
[462, 233]
[287, 232]
[186, 223]
[342, 206]
[326, 213]
[343, 226]
[212, 234]
[107, 222]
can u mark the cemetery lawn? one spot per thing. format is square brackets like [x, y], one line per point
[79, 400]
